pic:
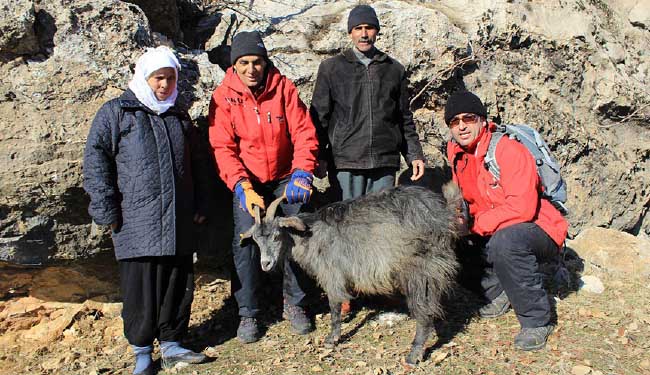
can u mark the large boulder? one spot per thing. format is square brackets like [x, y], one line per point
[617, 253]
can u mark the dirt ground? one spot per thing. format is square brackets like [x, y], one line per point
[65, 320]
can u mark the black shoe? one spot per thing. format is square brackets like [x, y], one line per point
[297, 316]
[147, 371]
[189, 357]
[533, 338]
[497, 307]
[248, 331]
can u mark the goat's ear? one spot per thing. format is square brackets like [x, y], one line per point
[292, 222]
[246, 235]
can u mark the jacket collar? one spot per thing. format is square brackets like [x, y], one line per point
[351, 57]
[128, 100]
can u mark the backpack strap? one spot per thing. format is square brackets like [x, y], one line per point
[490, 156]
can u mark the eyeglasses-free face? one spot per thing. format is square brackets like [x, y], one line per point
[465, 128]
[250, 69]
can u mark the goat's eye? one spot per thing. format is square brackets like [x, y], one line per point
[276, 237]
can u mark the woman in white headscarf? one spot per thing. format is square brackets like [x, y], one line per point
[145, 176]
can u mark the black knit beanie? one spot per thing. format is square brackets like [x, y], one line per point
[463, 102]
[247, 43]
[362, 14]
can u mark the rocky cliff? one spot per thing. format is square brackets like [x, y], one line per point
[577, 70]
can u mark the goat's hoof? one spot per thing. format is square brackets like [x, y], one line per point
[330, 342]
[416, 355]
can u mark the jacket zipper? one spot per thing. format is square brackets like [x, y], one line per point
[372, 163]
[257, 112]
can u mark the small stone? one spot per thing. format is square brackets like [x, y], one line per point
[440, 357]
[645, 364]
[580, 370]
[591, 284]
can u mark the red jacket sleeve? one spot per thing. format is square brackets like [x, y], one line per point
[222, 139]
[302, 130]
[520, 184]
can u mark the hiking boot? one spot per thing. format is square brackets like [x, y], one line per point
[533, 338]
[300, 322]
[496, 307]
[248, 331]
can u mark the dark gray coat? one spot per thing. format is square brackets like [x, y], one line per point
[140, 171]
[362, 114]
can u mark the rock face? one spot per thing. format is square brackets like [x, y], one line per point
[17, 19]
[163, 16]
[582, 82]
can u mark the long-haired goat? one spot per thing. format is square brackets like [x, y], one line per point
[401, 239]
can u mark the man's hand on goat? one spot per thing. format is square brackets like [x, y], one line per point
[298, 189]
[248, 197]
[418, 169]
[463, 219]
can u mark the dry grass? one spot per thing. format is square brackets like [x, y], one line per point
[605, 333]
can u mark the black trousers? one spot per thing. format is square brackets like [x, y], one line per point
[509, 260]
[157, 294]
[246, 280]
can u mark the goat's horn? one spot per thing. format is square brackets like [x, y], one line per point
[270, 212]
[258, 216]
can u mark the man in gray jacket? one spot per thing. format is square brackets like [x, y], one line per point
[361, 111]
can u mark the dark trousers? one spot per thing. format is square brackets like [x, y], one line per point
[246, 280]
[157, 295]
[509, 260]
[354, 183]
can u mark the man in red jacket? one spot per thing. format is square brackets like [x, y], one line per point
[514, 227]
[265, 146]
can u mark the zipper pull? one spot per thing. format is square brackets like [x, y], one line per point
[257, 112]
[268, 117]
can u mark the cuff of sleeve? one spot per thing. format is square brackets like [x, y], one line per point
[477, 228]
[238, 180]
[107, 219]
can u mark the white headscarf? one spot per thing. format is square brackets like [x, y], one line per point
[152, 60]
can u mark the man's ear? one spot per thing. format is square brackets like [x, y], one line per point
[292, 222]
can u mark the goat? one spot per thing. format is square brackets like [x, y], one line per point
[401, 239]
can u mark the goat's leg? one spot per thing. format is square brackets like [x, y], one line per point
[335, 333]
[424, 327]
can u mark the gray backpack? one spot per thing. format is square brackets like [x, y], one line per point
[547, 167]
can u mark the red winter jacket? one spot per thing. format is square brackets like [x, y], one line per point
[265, 138]
[513, 199]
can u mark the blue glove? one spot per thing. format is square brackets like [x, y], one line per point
[298, 189]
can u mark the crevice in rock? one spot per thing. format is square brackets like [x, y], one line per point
[45, 29]
[613, 111]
